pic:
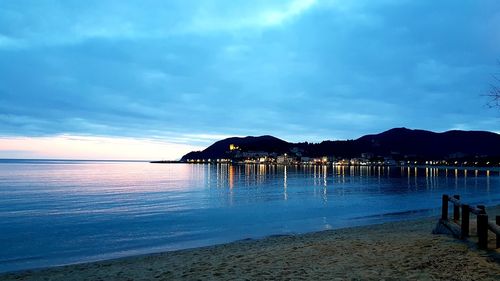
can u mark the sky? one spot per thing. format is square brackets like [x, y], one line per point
[157, 79]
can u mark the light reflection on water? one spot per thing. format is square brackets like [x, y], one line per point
[66, 212]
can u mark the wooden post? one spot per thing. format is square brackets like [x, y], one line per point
[482, 231]
[444, 210]
[456, 209]
[465, 221]
[497, 221]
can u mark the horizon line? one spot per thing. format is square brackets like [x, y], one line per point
[66, 159]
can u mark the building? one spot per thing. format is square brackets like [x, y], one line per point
[283, 159]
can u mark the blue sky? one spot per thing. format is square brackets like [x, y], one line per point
[182, 74]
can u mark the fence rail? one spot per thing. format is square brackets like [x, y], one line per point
[483, 224]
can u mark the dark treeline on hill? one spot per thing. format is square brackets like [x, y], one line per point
[398, 143]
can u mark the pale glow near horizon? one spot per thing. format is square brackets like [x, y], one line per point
[86, 147]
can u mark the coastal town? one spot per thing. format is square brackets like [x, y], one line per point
[236, 155]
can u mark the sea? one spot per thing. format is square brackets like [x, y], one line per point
[58, 212]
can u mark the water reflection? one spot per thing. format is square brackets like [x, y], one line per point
[285, 183]
[260, 176]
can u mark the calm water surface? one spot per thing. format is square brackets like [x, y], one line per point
[60, 212]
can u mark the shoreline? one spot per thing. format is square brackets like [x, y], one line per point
[402, 250]
[479, 168]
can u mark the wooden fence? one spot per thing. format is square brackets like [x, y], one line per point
[463, 220]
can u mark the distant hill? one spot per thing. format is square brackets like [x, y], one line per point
[219, 149]
[430, 144]
[399, 143]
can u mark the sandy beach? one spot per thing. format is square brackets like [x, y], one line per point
[391, 251]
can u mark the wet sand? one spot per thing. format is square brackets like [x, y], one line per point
[391, 251]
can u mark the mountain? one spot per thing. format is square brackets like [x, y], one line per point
[399, 143]
[219, 149]
[430, 144]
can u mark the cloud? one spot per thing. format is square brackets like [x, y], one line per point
[245, 16]
[7, 42]
[295, 8]
[49, 23]
[192, 72]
